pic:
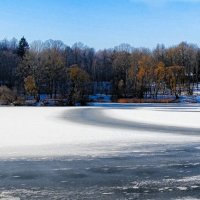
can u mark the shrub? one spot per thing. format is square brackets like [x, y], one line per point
[20, 101]
[7, 96]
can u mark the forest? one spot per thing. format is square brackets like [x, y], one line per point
[73, 73]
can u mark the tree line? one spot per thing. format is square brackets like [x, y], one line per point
[53, 68]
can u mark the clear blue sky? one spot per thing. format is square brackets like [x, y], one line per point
[102, 23]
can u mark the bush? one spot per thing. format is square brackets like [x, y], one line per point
[20, 101]
[7, 96]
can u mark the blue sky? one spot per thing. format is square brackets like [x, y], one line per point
[102, 23]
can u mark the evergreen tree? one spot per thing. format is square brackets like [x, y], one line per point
[22, 48]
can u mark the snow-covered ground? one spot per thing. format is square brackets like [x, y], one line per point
[36, 131]
[186, 116]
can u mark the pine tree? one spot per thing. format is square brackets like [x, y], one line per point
[22, 48]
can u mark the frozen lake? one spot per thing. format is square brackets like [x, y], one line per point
[105, 152]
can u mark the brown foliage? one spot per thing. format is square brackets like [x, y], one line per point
[136, 100]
